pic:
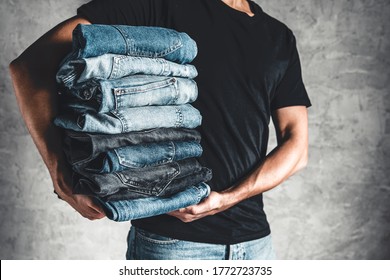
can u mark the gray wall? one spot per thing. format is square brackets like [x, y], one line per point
[337, 208]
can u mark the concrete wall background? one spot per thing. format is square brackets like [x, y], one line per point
[337, 208]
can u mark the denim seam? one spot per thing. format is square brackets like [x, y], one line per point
[125, 38]
[175, 85]
[139, 186]
[115, 68]
[125, 90]
[179, 117]
[122, 119]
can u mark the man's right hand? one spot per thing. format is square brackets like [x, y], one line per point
[81, 203]
[33, 74]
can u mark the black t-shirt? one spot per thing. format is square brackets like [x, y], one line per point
[248, 66]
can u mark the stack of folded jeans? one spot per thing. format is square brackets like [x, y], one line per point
[129, 126]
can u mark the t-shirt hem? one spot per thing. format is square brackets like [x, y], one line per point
[208, 239]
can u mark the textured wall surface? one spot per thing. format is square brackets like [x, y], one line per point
[337, 208]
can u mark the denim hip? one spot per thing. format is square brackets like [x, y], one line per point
[147, 181]
[93, 40]
[75, 71]
[139, 156]
[126, 210]
[103, 96]
[80, 148]
[132, 119]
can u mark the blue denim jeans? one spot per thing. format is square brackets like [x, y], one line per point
[144, 245]
[80, 148]
[103, 96]
[138, 182]
[125, 210]
[132, 119]
[178, 184]
[139, 156]
[93, 40]
[74, 71]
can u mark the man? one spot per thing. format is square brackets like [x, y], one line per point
[249, 70]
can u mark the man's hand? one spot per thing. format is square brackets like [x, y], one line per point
[213, 204]
[81, 203]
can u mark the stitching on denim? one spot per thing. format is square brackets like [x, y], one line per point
[124, 38]
[155, 241]
[144, 88]
[179, 117]
[122, 119]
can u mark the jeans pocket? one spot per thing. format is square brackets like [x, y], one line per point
[162, 92]
[153, 238]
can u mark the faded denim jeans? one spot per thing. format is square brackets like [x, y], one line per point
[132, 119]
[93, 40]
[145, 245]
[140, 182]
[75, 71]
[139, 156]
[125, 210]
[80, 148]
[103, 96]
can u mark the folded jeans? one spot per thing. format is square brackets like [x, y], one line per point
[81, 147]
[132, 119]
[74, 71]
[125, 210]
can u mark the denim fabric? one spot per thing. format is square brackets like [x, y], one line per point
[178, 184]
[151, 180]
[74, 71]
[93, 40]
[132, 119]
[125, 210]
[144, 245]
[102, 96]
[139, 156]
[81, 148]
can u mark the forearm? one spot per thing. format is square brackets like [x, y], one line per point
[281, 163]
[33, 76]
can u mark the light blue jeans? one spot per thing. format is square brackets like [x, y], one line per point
[103, 96]
[139, 156]
[144, 245]
[92, 40]
[125, 210]
[132, 119]
[74, 71]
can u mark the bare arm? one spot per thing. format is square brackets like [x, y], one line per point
[33, 76]
[288, 157]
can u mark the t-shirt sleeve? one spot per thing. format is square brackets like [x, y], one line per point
[291, 91]
[122, 12]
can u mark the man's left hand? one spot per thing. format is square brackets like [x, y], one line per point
[213, 204]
